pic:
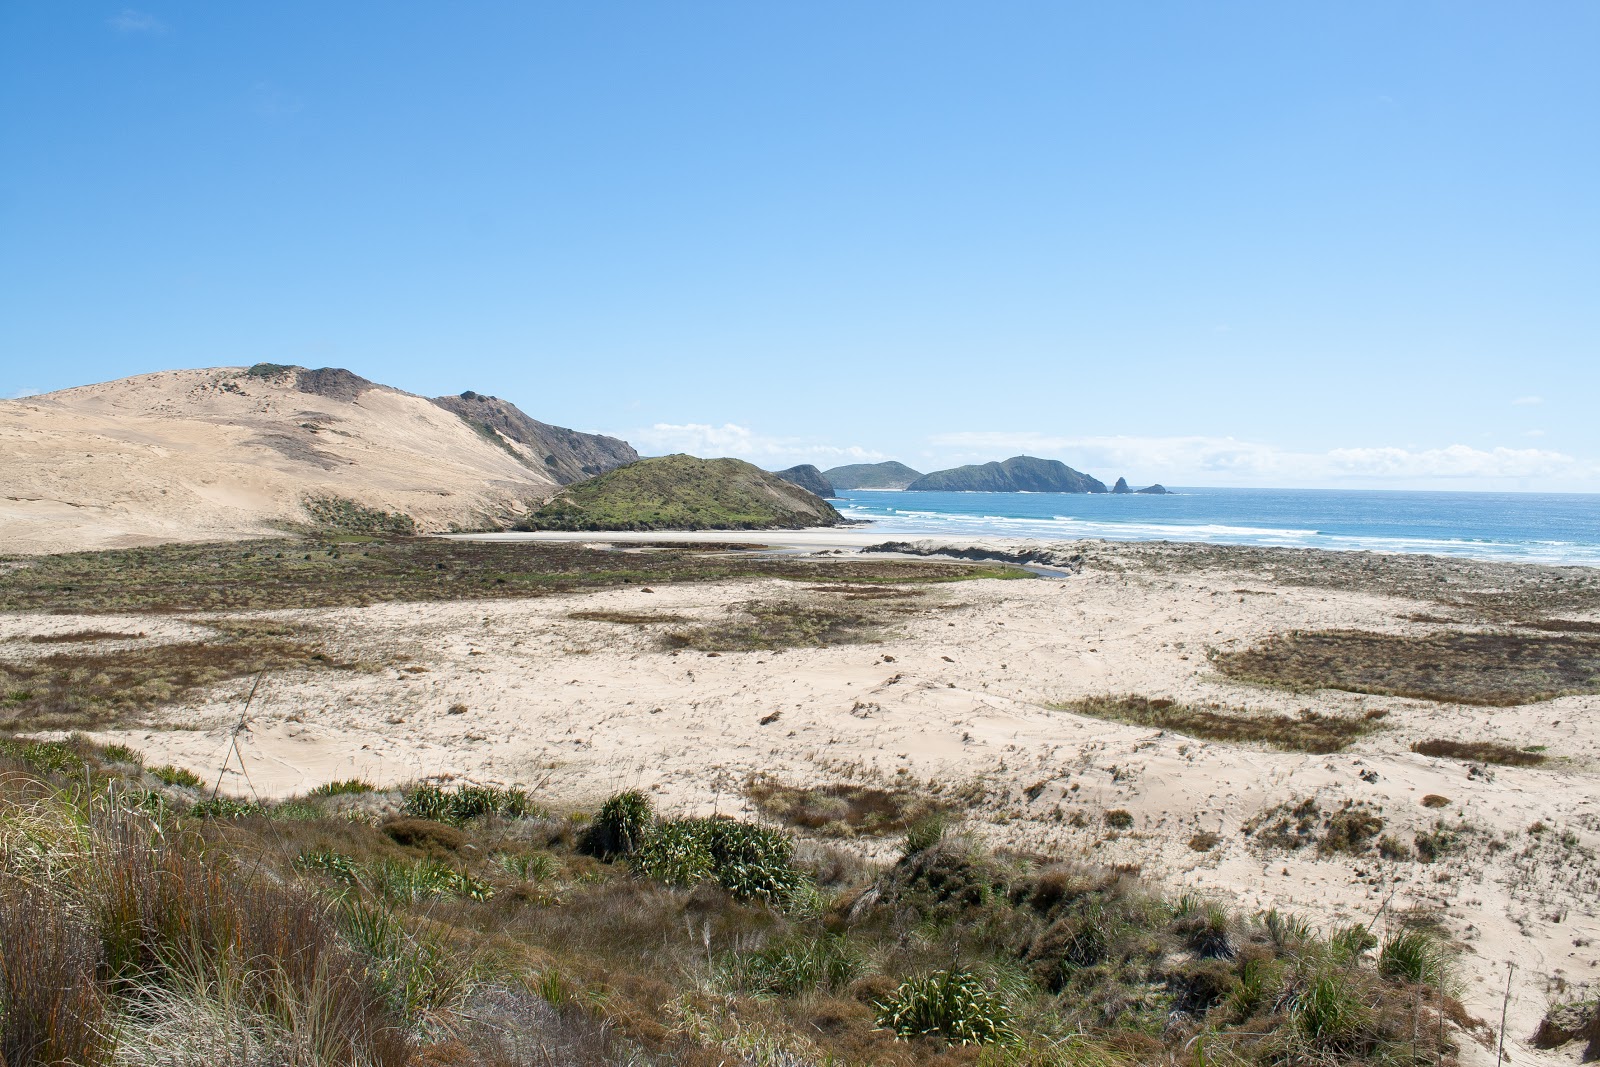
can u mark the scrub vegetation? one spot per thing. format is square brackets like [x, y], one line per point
[485, 926]
[1497, 669]
[1306, 732]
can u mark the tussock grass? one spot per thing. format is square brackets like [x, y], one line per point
[1306, 732]
[1478, 752]
[326, 940]
[1495, 669]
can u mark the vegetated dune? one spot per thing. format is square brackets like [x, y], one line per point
[682, 492]
[232, 452]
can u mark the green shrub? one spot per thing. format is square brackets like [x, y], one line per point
[225, 808]
[121, 754]
[456, 806]
[751, 862]
[348, 787]
[956, 1005]
[182, 776]
[620, 827]
[530, 867]
[48, 757]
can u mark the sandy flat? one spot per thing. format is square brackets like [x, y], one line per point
[958, 691]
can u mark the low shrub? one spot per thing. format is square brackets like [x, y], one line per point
[1413, 956]
[347, 787]
[751, 862]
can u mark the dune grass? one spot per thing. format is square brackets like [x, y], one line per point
[1479, 752]
[1495, 669]
[133, 931]
[1306, 732]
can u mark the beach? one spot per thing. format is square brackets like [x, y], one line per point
[578, 696]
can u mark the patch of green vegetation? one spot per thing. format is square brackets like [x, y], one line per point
[768, 624]
[167, 774]
[1497, 669]
[844, 809]
[1306, 732]
[714, 941]
[683, 493]
[85, 688]
[347, 787]
[1479, 752]
[456, 806]
[341, 515]
[270, 575]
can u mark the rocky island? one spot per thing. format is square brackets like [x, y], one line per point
[1019, 474]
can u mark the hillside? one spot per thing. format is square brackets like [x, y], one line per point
[808, 478]
[229, 452]
[885, 475]
[683, 493]
[1019, 474]
[566, 455]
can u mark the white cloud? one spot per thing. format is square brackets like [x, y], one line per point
[1528, 401]
[131, 21]
[731, 439]
[1197, 460]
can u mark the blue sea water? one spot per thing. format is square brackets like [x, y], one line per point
[1522, 527]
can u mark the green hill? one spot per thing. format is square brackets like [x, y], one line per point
[683, 493]
[1019, 474]
[886, 475]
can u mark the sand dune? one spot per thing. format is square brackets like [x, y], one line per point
[223, 453]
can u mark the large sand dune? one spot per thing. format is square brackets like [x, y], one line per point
[226, 452]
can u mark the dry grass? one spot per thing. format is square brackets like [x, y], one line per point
[1497, 669]
[514, 948]
[625, 618]
[83, 689]
[1306, 732]
[772, 624]
[844, 809]
[1478, 752]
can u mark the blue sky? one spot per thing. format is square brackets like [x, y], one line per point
[1341, 244]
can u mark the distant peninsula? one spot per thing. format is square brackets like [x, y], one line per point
[1019, 474]
[886, 475]
[681, 492]
[808, 478]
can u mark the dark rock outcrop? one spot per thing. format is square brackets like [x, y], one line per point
[1121, 486]
[1019, 474]
[886, 475]
[567, 455]
[1155, 490]
[808, 478]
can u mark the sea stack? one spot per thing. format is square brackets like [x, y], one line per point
[1121, 486]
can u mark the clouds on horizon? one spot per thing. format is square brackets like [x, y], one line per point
[1198, 460]
[731, 439]
[1175, 460]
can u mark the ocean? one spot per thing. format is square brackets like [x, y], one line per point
[1516, 527]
